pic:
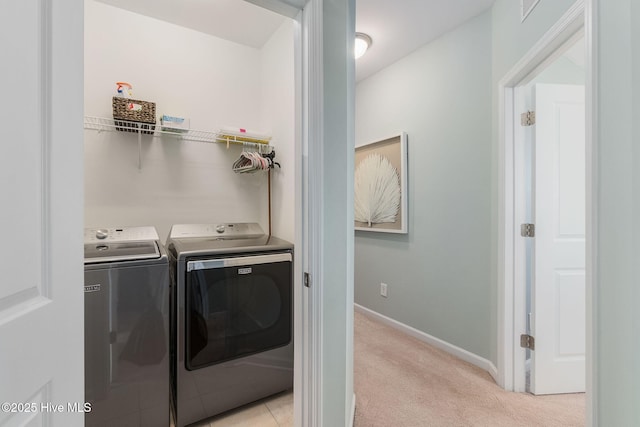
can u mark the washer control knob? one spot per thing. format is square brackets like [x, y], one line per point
[102, 233]
[220, 228]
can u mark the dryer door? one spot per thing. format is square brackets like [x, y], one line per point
[237, 306]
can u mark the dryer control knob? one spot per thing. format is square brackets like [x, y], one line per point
[220, 228]
[102, 233]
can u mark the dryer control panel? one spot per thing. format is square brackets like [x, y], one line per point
[124, 234]
[241, 230]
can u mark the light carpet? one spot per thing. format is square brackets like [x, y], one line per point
[400, 381]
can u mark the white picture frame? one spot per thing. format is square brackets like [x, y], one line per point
[389, 151]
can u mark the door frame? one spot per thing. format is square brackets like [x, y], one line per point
[511, 285]
[308, 319]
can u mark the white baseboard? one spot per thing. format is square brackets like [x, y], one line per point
[460, 353]
[352, 420]
[493, 371]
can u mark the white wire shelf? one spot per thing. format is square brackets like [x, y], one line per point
[108, 124]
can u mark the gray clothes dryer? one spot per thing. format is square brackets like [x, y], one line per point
[232, 317]
[126, 318]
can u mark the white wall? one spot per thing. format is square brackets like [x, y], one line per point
[439, 273]
[214, 82]
[277, 113]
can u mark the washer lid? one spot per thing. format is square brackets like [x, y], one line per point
[120, 251]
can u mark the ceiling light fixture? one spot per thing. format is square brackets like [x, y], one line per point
[363, 42]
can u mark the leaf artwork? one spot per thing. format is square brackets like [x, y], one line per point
[377, 191]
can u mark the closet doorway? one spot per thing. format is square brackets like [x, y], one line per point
[526, 284]
[554, 200]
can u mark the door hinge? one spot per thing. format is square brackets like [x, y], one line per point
[528, 118]
[307, 280]
[527, 341]
[528, 230]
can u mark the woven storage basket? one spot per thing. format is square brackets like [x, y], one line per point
[143, 112]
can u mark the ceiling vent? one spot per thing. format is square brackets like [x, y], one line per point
[527, 6]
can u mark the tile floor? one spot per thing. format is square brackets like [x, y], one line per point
[274, 411]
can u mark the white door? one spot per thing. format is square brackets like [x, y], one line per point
[41, 298]
[558, 303]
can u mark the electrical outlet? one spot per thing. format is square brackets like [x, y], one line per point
[383, 289]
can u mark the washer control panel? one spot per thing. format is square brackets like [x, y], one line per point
[124, 234]
[240, 230]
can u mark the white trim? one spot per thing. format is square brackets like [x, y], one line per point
[518, 354]
[511, 373]
[493, 371]
[591, 66]
[460, 353]
[313, 135]
[352, 418]
[278, 6]
[542, 53]
[506, 225]
[525, 13]
[300, 381]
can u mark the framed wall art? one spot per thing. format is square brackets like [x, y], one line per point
[380, 185]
